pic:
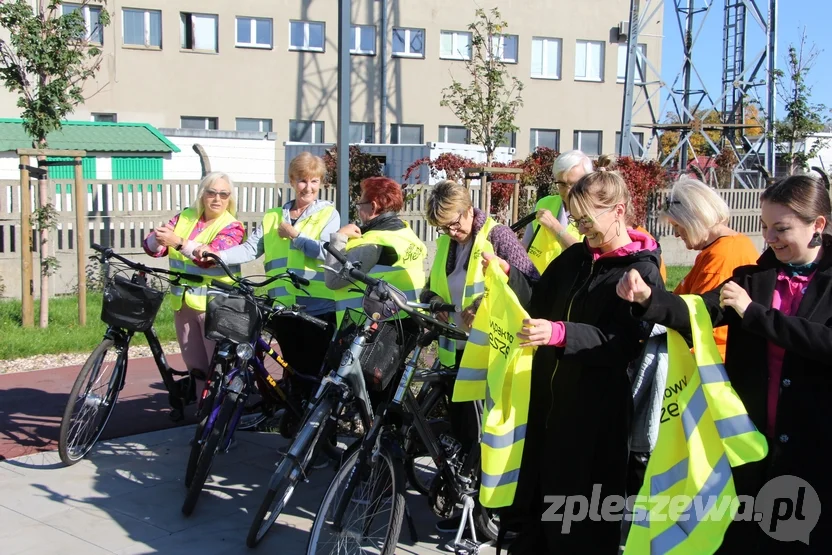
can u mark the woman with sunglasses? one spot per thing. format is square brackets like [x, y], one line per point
[211, 221]
[580, 403]
[457, 277]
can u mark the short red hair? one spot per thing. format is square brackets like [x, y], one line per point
[386, 193]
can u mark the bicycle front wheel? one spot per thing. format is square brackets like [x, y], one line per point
[372, 518]
[91, 401]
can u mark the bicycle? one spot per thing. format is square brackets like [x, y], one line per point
[130, 305]
[235, 316]
[355, 496]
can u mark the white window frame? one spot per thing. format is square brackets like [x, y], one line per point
[455, 50]
[314, 124]
[355, 48]
[641, 60]
[95, 114]
[85, 11]
[407, 41]
[534, 142]
[396, 132]
[579, 145]
[443, 130]
[260, 122]
[639, 140]
[305, 46]
[586, 43]
[206, 120]
[216, 19]
[545, 58]
[253, 23]
[364, 125]
[498, 46]
[146, 29]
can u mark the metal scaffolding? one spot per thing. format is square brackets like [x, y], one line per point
[748, 63]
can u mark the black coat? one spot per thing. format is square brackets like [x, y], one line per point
[804, 424]
[581, 405]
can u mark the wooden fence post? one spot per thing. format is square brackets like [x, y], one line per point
[80, 241]
[27, 286]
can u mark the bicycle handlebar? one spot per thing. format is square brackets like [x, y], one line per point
[523, 222]
[107, 253]
[296, 280]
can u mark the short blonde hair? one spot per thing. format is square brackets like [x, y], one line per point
[695, 207]
[447, 199]
[306, 165]
[207, 182]
[599, 189]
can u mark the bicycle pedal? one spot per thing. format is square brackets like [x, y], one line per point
[464, 547]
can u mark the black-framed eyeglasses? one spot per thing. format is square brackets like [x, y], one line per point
[668, 201]
[587, 221]
[453, 226]
[210, 193]
[365, 202]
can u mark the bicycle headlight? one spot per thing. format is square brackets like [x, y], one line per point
[245, 351]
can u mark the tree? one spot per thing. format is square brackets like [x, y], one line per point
[803, 119]
[46, 60]
[487, 105]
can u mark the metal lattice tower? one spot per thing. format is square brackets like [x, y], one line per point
[748, 62]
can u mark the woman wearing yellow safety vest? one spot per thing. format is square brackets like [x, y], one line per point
[292, 238]
[580, 405]
[210, 221]
[551, 233]
[456, 277]
[778, 359]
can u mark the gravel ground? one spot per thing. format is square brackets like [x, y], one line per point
[42, 362]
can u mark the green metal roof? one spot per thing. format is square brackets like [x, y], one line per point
[90, 136]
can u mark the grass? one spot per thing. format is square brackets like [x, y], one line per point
[675, 275]
[64, 335]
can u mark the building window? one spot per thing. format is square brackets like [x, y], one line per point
[408, 42]
[198, 32]
[306, 35]
[504, 48]
[92, 20]
[142, 27]
[636, 151]
[587, 141]
[363, 40]
[362, 132]
[198, 122]
[254, 125]
[254, 32]
[509, 141]
[453, 134]
[455, 45]
[301, 131]
[641, 64]
[104, 118]
[546, 58]
[403, 134]
[549, 138]
[589, 60]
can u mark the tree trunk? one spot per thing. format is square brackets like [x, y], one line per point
[485, 186]
[43, 251]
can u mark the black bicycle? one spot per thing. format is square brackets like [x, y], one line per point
[133, 293]
[236, 316]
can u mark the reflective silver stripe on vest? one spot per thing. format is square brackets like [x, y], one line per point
[670, 477]
[694, 411]
[179, 265]
[478, 337]
[354, 303]
[276, 292]
[471, 290]
[276, 264]
[734, 426]
[311, 275]
[507, 439]
[447, 344]
[497, 480]
[688, 520]
[713, 373]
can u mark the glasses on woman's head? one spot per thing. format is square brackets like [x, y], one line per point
[668, 201]
[453, 226]
[211, 193]
[587, 221]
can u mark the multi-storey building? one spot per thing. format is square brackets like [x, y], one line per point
[271, 66]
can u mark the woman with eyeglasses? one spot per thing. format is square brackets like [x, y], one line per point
[580, 404]
[211, 221]
[457, 277]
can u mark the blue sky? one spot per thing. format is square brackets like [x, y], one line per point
[793, 16]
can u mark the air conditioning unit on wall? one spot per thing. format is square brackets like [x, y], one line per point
[623, 30]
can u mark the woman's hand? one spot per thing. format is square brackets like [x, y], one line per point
[352, 231]
[468, 315]
[199, 254]
[631, 287]
[535, 332]
[733, 295]
[549, 221]
[287, 230]
[487, 257]
[167, 238]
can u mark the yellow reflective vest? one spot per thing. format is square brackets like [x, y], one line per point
[474, 280]
[704, 431]
[195, 293]
[281, 256]
[545, 247]
[496, 369]
[406, 274]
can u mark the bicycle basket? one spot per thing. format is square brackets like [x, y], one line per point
[130, 305]
[231, 316]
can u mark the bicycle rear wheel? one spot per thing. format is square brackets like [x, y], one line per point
[373, 515]
[91, 401]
